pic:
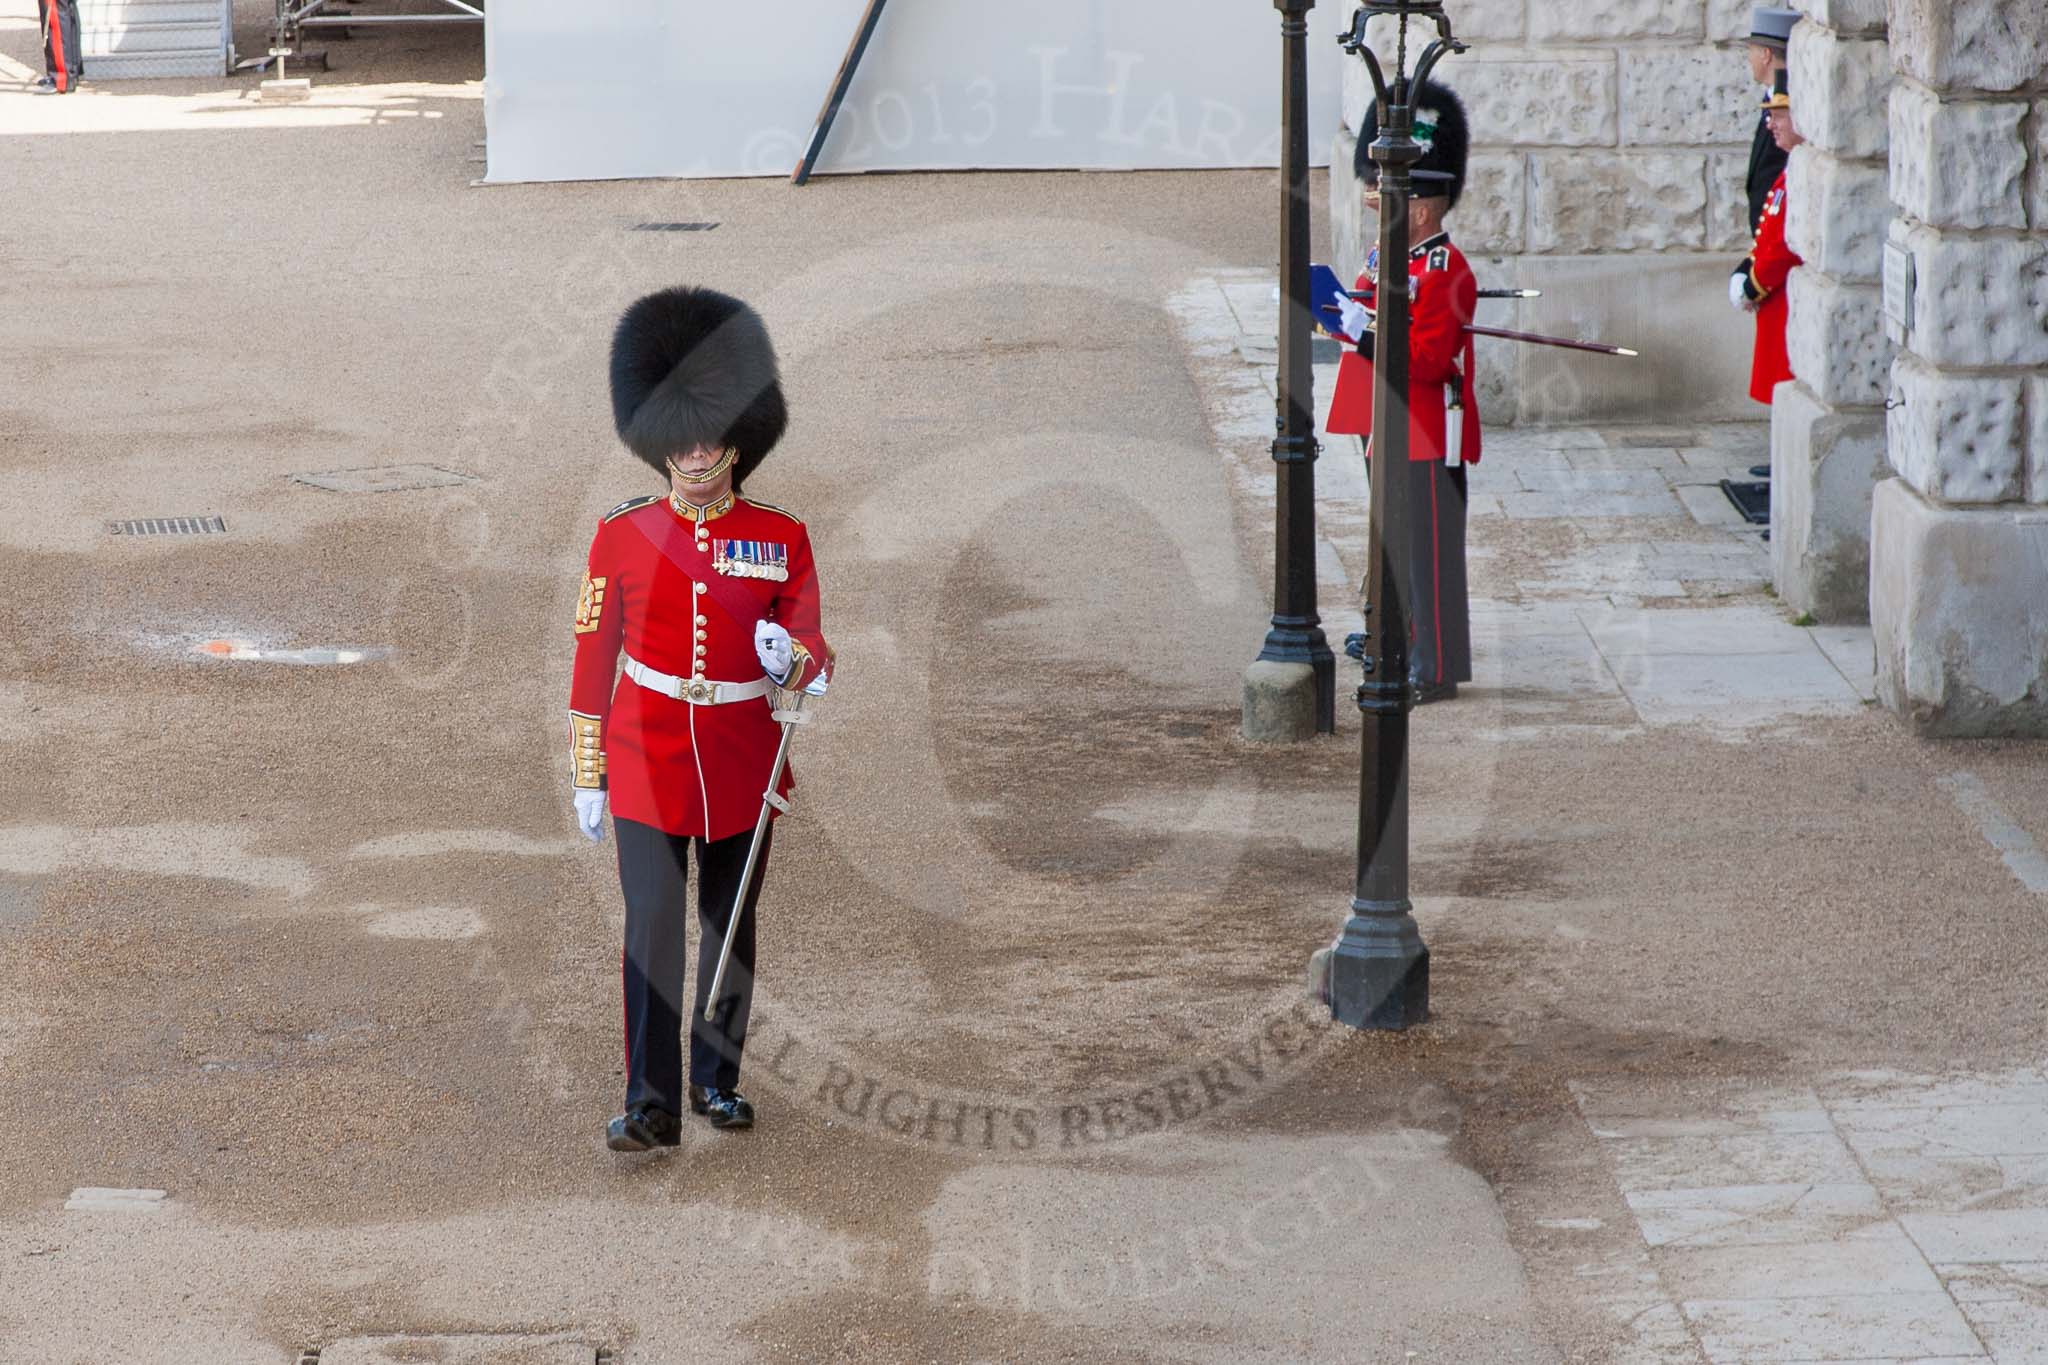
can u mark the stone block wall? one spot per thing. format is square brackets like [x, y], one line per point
[1610, 140]
[1827, 425]
[1959, 534]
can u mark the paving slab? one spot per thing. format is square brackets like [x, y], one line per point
[1707, 630]
[1741, 1159]
[1635, 458]
[1562, 438]
[1578, 481]
[1896, 1255]
[1952, 1131]
[1981, 1234]
[2016, 1330]
[1882, 1326]
[1853, 650]
[1759, 1215]
[1932, 1184]
[1968, 1283]
[1739, 691]
[1850, 1092]
[1649, 437]
[1558, 664]
[1709, 506]
[1716, 461]
[1885, 1262]
[1588, 506]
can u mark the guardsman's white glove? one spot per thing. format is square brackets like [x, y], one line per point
[771, 646]
[590, 813]
[1353, 318]
[1736, 297]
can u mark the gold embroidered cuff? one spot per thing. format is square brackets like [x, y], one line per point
[586, 750]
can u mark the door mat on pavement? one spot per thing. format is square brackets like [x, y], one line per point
[1753, 500]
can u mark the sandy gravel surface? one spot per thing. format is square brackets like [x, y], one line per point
[315, 949]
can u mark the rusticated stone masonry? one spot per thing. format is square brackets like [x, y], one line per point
[1959, 535]
[1610, 139]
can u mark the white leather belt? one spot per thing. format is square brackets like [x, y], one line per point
[696, 691]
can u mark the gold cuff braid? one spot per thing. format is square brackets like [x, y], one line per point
[586, 750]
[589, 604]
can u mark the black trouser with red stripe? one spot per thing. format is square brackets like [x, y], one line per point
[62, 57]
[653, 873]
[1434, 593]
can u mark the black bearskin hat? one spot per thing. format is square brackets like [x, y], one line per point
[1444, 134]
[693, 367]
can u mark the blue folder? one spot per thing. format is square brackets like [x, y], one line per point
[1324, 290]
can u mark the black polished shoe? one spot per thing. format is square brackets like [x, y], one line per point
[641, 1128]
[1759, 471]
[725, 1108]
[1425, 694]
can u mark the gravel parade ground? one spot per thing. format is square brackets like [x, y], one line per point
[310, 989]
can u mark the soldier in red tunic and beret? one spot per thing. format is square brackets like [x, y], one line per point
[1443, 416]
[1771, 262]
[712, 599]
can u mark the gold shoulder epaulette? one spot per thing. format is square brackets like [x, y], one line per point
[771, 507]
[629, 504]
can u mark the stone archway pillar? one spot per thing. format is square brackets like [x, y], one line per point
[1827, 426]
[1959, 538]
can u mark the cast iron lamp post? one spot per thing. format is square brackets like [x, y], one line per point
[1296, 636]
[1379, 967]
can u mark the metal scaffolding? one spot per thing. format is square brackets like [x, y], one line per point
[295, 15]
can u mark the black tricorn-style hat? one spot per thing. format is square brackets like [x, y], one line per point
[693, 367]
[1446, 137]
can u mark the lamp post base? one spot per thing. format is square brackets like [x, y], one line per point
[1379, 969]
[1279, 703]
[1291, 644]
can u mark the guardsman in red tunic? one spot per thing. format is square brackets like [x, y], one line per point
[1443, 416]
[1771, 262]
[693, 604]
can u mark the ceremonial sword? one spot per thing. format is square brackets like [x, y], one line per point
[1597, 347]
[1533, 338]
[790, 716]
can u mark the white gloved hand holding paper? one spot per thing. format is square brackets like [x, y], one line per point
[1735, 294]
[590, 813]
[771, 646]
[1353, 318]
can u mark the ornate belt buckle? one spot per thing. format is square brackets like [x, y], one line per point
[699, 692]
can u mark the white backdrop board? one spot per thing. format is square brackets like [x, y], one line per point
[609, 89]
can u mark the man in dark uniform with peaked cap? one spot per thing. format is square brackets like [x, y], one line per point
[712, 599]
